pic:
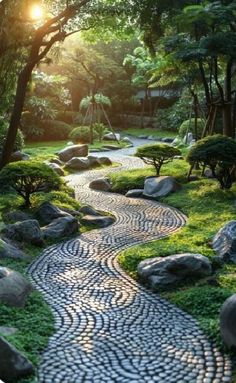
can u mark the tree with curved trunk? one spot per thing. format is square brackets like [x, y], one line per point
[45, 37]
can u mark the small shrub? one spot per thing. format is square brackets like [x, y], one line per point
[100, 130]
[19, 142]
[44, 130]
[157, 155]
[55, 130]
[28, 177]
[219, 154]
[190, 127]
[30, 126]
[82, 134]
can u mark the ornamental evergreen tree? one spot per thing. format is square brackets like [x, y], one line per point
[157, 155]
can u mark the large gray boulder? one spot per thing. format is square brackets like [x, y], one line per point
[19, 156]
[188, 138]
[159, 186]
[16, 216]
[9, 251]
[14, 288]
[134, 193]
[69, 152]
[47, 212]
[13, 365]
[61, 227]
[88, 210]
[227, 321]
[167, 140]
[93, 161]
[111, 137]
[57, 169]
[127, 140]
[224, 242]
[105, 161]
[78, 163]
[56, 161]
[26, 231]
[102, 184]
[167, 273]
[99, 221]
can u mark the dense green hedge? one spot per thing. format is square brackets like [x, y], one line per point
[81, 134]
[19, 143]
[189, 127]
[219, 154]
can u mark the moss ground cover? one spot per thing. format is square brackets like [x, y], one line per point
[47, 150]
[34, 322]
[208, 208]
[150, 132]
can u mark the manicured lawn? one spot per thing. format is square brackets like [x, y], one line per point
[150, 132]
[208, 208]
[47, 150]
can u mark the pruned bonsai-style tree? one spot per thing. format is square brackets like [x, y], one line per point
[28, 177]
[157, 155]
[219, 154]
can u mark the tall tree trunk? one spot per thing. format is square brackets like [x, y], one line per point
[234, 117]
[205, 84]
[22, 83]
[227, 120]
[227, 108]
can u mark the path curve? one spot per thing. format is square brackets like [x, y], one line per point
[108, 327]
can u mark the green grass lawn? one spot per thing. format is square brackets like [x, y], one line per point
[34, 322]
[46, 150]
[150, 132]
[208, 208]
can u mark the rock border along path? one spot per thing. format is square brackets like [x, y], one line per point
[108, 328]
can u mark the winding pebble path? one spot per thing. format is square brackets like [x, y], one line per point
[108, 327]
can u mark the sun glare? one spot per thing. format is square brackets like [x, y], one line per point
[36, 12]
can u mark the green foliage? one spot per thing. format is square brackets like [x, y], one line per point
[204, 304]
[41, 108]
[150, 132]
[34, 324]
[69, 117]
[61, 198]
[126, 180]
[82, 134]
[31, 126]
[19, 142]
[212, 149]
[55, 130]
[157, 154]
[36, 129]
[100, 130]
[97, 99]
[189, 126]
[28, 177]
[172, 117]
[199, 200]
[219, 153]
